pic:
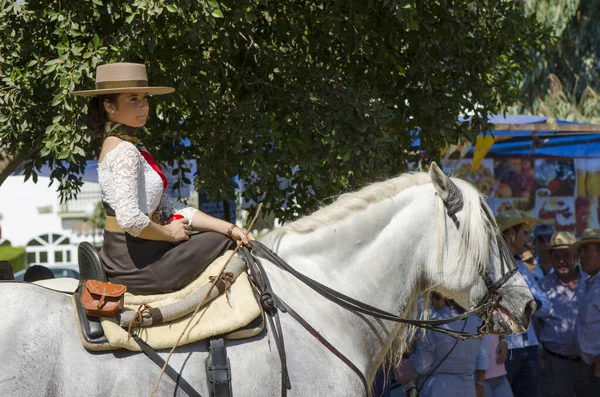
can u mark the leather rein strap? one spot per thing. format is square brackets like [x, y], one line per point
[271, 303]
[487, 303]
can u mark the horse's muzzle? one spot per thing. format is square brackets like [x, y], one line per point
[502, 323]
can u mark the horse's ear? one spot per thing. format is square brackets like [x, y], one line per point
[440, 180]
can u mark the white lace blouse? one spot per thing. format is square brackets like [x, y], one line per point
[133, 189]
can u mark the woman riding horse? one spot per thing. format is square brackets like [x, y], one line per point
[143, 249]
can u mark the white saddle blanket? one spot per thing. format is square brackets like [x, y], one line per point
[217, 318]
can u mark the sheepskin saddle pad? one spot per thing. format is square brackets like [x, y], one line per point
[230, 308]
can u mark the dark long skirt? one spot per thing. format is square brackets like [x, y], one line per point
[154, 267]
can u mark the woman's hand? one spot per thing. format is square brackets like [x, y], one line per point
[178, 230]
[238, 234]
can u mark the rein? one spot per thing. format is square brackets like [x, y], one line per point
[453, 201]
[353, 305]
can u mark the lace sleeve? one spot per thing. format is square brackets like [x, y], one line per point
[171, 206]
[125, 170]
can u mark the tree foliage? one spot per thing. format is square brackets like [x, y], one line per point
[566, 79]
[322, 94]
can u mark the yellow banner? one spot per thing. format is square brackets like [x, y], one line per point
[482, 147]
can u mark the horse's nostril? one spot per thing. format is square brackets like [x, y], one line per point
[530, 309]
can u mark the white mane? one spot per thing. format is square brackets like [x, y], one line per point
[476, 228]
[350, 203]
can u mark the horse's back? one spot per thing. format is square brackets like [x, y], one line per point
[43, 356]
[39, 342]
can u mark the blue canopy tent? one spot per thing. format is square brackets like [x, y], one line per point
[518, 136]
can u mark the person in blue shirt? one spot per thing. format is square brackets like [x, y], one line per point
[442, 365]
[563, 374]
[531, 262]
[587, 326]
[523, 364]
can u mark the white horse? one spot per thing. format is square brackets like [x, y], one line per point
[383, 245]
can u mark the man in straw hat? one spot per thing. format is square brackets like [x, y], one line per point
[564, 374]
[523, 367]
[149, 244]
[588, 319]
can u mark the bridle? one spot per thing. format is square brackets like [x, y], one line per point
[508, 268]
[271, 302]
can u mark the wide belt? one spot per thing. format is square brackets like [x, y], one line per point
[112, 225]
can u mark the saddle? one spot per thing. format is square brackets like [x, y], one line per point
[102, 334]
[235, 315]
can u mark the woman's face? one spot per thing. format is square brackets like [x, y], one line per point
[130, 109]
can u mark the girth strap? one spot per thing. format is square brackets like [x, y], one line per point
[158, 360]
[218, 371]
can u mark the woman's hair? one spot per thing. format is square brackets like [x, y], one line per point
[97, 116]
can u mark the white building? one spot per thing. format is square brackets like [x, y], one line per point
[32, 216]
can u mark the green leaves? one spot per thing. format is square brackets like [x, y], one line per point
[299, 100]
[563, 82]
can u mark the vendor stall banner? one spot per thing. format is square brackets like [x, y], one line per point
[559, 192]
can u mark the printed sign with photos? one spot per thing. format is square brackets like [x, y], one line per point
[586, 213]
[564, 193]
[524, 204]
[556, 211]
[514, 178]
[588, 177]
[554, 177]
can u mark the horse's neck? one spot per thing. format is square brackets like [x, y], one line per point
[368, 256]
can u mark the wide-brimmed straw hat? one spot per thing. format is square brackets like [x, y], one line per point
[589, 236]
[513, 217]
[561, 240]
[122, 77]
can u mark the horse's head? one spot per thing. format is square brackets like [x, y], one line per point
[478, 271]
